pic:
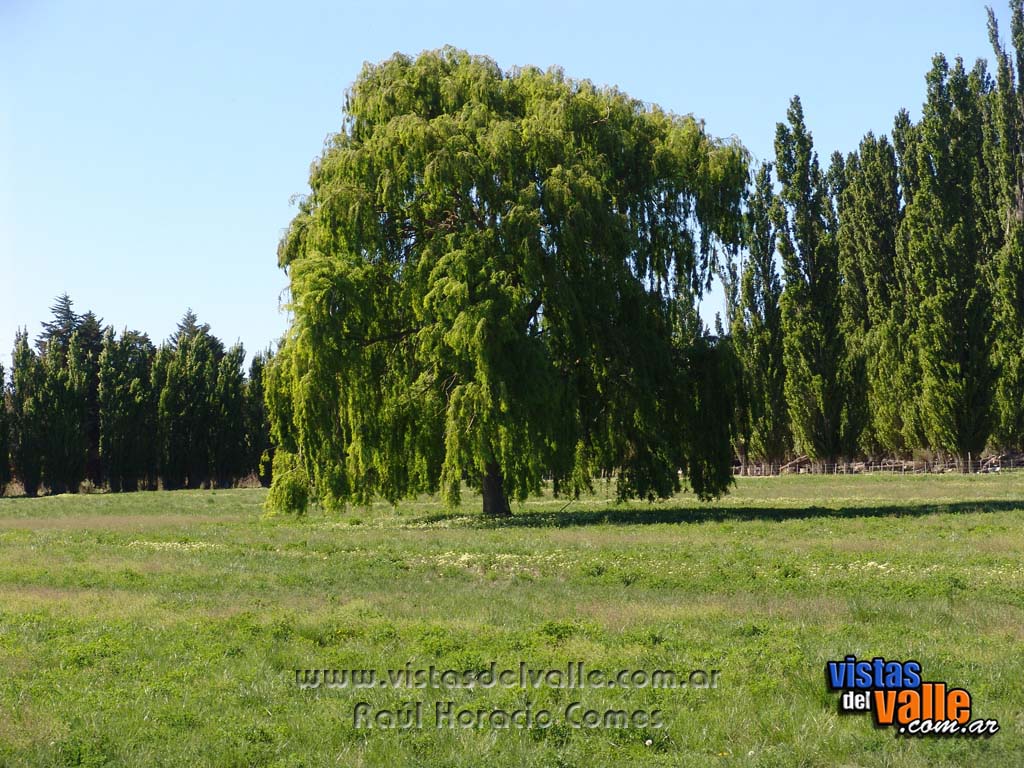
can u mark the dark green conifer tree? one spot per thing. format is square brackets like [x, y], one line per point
[873, 310]
[260, 448]
[27, 429]
[813, 345]
[755, 327]
[127, 413]
[229, 449]
[1005, 140]
[947, 243]
[56, 333]
[185, 376]
[63, 405]
[5, 434]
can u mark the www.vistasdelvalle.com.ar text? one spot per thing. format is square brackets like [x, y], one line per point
[574, 675]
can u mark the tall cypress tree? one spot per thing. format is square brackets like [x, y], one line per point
[947, 243]
[5, 434]
[899, 334]
[185, 378]
[855, 427]
[164, 385]
[257, 421]
[1005, 140]
[54, 342]
[229, 424]
[813, 348]
[90, 331]
[200, 355]
[729, 272]
[755, 326]
[853, 311]
[873, 309]
[26, 414]
[127, 411]
[63, 403]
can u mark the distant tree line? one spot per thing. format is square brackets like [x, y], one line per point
[896, 325]
[84, 403]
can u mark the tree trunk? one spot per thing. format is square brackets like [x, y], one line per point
[965, 463]
[493, 491]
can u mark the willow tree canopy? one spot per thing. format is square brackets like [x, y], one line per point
[489, 281]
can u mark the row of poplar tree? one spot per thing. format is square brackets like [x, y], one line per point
[896, 325]
[88, 404]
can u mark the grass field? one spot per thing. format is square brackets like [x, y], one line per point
[165, 628]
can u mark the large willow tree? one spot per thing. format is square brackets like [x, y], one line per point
[488, 278]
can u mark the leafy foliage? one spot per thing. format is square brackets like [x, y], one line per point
[483, 280]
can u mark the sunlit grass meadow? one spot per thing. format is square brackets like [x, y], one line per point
[164, 629]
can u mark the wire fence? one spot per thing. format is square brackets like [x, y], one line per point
[804, 466]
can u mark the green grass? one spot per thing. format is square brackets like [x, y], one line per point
[165, 628]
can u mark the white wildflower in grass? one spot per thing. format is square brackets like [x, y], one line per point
[176, 546]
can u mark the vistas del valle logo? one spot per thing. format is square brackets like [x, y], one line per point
[897, 696]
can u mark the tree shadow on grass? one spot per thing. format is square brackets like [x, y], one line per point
[568, 518]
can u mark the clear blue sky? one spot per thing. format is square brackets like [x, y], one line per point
[149, 150]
